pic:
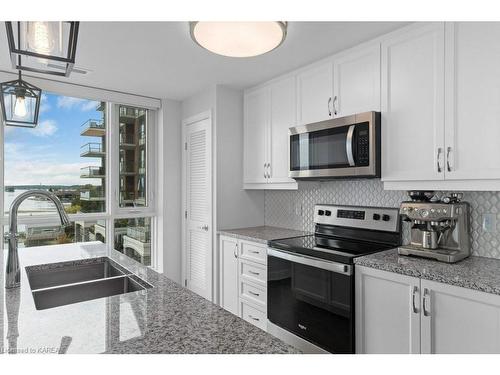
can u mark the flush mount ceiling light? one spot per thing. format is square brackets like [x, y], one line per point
[20, 103]
[238, 39]
[42, 46]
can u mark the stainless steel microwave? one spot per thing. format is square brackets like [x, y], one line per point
[346, 147]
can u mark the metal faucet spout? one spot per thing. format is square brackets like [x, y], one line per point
[12, 272]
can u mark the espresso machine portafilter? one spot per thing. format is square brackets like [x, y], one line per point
[439, 228]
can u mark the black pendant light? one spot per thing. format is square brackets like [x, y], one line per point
[43, 46]
[20, 103]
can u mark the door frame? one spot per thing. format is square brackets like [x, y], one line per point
[206, 115]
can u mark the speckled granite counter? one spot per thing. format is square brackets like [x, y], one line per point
[262, 234]
[477, 273]
[164, 319]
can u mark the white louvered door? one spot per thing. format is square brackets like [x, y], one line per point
[199, 208]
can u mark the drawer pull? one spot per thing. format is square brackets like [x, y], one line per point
[255, 252]
[254, 318]
[253, 293]
[253, 272]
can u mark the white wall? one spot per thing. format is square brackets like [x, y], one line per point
[236, 207]
[169, 187]
[201, 102]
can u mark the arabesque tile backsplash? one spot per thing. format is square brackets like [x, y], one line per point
[294, 208]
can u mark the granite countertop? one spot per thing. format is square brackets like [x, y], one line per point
[478, 273]
[164, 319]
[262, 234]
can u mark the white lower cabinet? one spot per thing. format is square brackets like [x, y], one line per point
[243, 279]
[403, 314]
[385, 319]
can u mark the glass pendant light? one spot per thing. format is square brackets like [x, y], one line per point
[239, 39]
[20, 103]
[43, 46]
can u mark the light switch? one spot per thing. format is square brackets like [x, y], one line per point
[489, 222]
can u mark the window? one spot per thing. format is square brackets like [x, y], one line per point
[132, 156]
[65, 154]
[133, 238]
[94, 155]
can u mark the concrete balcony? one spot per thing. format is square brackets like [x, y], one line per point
[93, 128]
[92, 172]
[92, 150]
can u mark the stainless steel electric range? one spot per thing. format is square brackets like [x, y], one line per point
[311, 278]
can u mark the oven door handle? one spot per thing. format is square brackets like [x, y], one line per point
[348, 146]
[327, 265]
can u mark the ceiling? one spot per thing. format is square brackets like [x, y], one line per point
[160, 60]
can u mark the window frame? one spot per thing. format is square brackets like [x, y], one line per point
[112, 210]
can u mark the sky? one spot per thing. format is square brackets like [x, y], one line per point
[50, 153]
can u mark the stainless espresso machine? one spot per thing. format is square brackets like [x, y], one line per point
[439, 228]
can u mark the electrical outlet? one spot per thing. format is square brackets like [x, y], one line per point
[489, 222]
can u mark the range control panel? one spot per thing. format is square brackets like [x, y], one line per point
[376, 218]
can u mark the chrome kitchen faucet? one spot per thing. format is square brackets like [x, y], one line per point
[12, 271]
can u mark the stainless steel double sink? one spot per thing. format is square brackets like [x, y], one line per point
[64, 283]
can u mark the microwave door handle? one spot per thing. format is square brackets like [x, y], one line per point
[348, 145]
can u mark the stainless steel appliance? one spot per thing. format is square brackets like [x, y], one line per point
[439, 228]
[311, 278]
[339, 148]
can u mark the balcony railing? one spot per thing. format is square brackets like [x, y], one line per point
[92, 195]
[142, 138]
[92, 172]
[91, 149]
[125, 169]
[94, 128]
[131, 112]
[127, 196]
[127, 139]
[142, 234]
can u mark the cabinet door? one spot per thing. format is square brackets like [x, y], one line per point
[387, 312]
[473, 98]
[229, 274]
[283, 116]
[413, 105]
[256, 125]
[315, 94]
[459, 320]
[357, 82]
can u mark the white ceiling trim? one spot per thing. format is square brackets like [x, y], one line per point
[86, 92]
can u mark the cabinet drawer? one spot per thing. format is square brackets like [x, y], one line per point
[252, 251]
[254, 316]
[257, 295]
[253, 272]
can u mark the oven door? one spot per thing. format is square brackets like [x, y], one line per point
[312, 298]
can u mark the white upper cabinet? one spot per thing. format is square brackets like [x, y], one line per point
[269, 112]
[256, 125]
[315, 94]
[413, 104]
[356, 78]
[473, 100]
[283, 116]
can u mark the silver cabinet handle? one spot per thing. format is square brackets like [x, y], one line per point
[424, 304]
[438, 159]
[448, 166]
[329, 110]
[254, 318]
[253, 293]
[265, 174]
[253, 272]
[414, 307]
[333, 104]
[255, 252]
[268, 170]
[235, 251]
